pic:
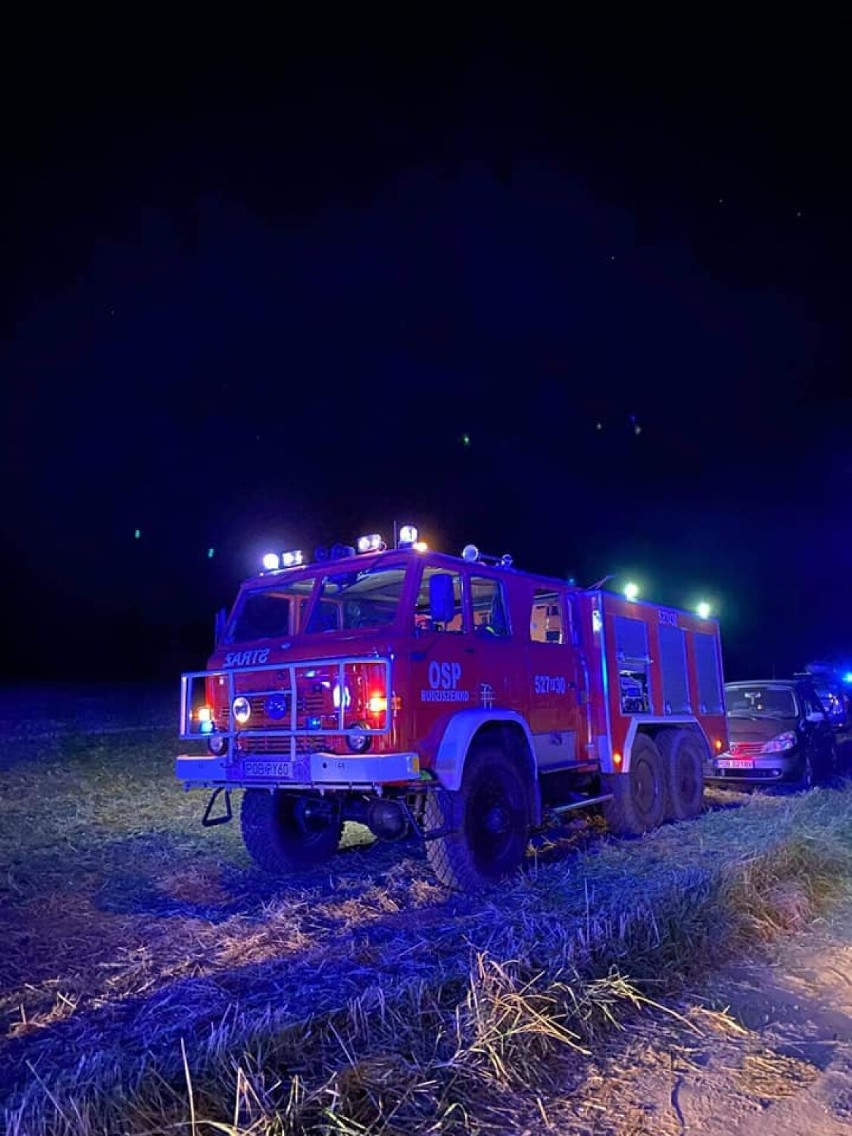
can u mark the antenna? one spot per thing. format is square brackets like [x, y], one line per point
[601, 582]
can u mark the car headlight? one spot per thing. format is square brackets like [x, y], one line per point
[241, 709]
[780, 743]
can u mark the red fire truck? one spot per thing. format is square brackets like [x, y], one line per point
[457, 700]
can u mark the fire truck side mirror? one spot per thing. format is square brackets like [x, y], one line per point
[219, 627]
[442, 604]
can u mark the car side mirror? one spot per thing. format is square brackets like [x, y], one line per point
[442, 603]
[816, 716]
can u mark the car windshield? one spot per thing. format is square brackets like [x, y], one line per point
[358, 600]
[763, 700]
[266, 613]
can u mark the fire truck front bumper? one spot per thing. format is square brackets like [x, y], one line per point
[324, 771]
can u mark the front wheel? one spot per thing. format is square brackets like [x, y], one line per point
[289, 832]
[638, 796]
[486, 823]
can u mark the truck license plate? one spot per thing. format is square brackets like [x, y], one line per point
[266, 768]
[735, 763]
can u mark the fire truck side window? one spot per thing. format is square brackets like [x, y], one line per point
[546, 624]
[422, 617]
[490, 613]
[631, 651]
[710, 695]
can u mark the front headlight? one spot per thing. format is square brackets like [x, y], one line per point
[241, 710]
[780, 743]
[358, 741]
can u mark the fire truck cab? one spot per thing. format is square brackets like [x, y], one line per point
[454, 698]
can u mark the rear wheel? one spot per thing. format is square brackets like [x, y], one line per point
[487, 819]
[289, 832]
[638, 796]
[683, 768]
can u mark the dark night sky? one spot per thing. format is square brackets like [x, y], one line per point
[255, 298]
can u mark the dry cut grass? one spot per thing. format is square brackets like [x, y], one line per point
[153, 981]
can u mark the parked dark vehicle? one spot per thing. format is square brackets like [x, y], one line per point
[778, 733]
[832, 695]
[834, 703]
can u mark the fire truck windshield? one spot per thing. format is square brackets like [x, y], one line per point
[357, 600]
[266, 613]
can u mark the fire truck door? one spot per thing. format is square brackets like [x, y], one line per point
[442, 670]
[555, 716]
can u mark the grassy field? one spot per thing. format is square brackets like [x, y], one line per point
[154, 981]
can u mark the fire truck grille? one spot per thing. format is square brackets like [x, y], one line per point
[311, 713]
[280, 744]
[309, 708]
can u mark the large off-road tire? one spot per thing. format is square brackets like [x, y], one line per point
[288, 832]
[683, 757]
[487, 819]
[639, 796]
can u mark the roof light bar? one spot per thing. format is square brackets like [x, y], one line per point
[371, 543]
[273, 561]
[471, 553]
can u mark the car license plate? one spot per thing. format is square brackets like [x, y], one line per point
[266, 768]
[735, 763]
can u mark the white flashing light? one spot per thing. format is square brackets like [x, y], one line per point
[292, 559]
[470, 552]
[370, 543]
[336, 697]
[271, 561]
[241, 709]
[408, 534]
[420, 546]
[703, 610]
[631, 592]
